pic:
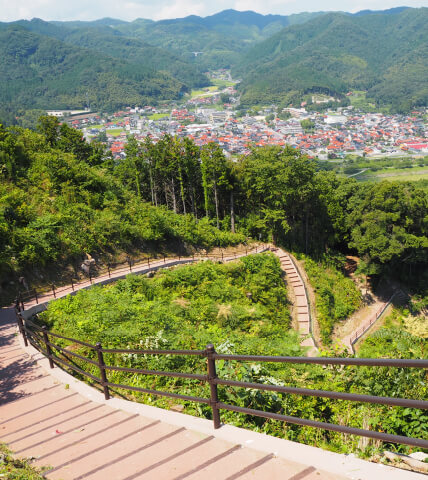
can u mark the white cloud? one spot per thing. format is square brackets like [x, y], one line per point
[157, 9]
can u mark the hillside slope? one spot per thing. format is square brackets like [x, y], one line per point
[37, 71]
[102, 37]
[384, 53]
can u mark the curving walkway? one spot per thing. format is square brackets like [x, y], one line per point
[59, 421]
[295, 282]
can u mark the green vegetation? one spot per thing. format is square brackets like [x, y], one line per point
[397, 169]
[114, 132]
[379, 57]
[241, 308]
[337, 297]
[244, 302]
[17, 469]
[222, 83]
[158, 116]
[61, 198]
[205, 92]
[413, 175]
[383, 54]
[41, 72]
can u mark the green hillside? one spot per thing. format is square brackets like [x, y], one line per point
[383, 53]
[101, 37]
[41, 72]
[221, 38]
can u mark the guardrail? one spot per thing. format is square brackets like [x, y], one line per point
[131, 265]
[41, 339]
[361, 331]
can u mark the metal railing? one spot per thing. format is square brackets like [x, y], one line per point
[131, 265]
[41, 339]
[362, 330]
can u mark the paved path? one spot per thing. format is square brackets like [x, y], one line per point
[83, 439]
[138, 269]
[295, 282]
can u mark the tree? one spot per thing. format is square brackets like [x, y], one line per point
[214, 175]
[49, 126]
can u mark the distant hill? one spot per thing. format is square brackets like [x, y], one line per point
[383, 53]
[37, 71]
[101, 36]
[281, 59]
[221, 38]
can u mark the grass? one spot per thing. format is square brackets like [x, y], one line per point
[114, 132]
[395, 174]
[199, 93]
[12, 468]
[222, 83]
[358, 100]
[158, 116]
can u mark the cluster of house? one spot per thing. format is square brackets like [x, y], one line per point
[326, 135]
[363, 134]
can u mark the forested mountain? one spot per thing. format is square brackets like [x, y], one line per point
[221, 37]
[384, 53]
[101, 37]
[112, 63]
[37, 71]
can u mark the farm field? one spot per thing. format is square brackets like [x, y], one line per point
[158, 116]
[395, 174]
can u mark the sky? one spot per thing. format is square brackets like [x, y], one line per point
[160, 9]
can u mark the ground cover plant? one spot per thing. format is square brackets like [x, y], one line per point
[240, 307]
[15, 468]
[336, 296]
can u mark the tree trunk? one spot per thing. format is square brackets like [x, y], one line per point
[216, 203]
[166, 195]
[192, 198]
[137, 182]
[152, 190]
[306, 232]
[183, 198]
[232, 212]
[174, 200]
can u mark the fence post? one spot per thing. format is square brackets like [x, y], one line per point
[72, 284]
[53, 290]
[21, 328]
[222, 255]
[48, 347]
[148, 262]
[212, 375]
[102, 368]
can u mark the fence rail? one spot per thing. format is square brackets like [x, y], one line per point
[41, 339]
[361, 331]
[111, 270]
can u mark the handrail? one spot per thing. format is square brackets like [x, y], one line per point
[112, 269]
[361, 331]
[214, 381]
